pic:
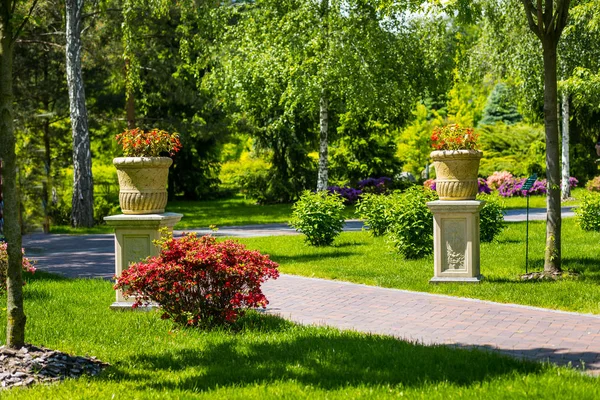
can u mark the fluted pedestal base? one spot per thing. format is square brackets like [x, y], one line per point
[456, 241]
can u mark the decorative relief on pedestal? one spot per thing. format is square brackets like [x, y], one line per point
[455, 244]
[135, 248]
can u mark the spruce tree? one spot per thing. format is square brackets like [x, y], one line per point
[500, 108]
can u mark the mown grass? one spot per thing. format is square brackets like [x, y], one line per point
[262, 357]
[358, 257]
[228, 212]
[539, 201]
[224, 212]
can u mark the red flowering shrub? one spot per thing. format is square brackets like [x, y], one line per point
[199, 281]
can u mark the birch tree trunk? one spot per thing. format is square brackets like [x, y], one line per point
[323, 173]
[322, 177]
[82, 213]
[566, 188]
[15, 321]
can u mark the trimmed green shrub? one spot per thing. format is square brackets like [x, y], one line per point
[411, 229]
[376, 211]
[588, 212]
[319, 217]
[491, 217]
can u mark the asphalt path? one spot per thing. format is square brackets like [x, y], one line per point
[92, 256]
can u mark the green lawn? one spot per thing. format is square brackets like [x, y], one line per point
[223, 212]
[264, 357]
[358, 257]
[202, 214]
[540, 201]
[227, 212]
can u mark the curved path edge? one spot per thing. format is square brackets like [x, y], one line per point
[560, 337]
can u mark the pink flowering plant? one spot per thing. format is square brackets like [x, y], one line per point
[454, 137]
[27, 264]
[199, 281]
[498, 178]
[140, 143]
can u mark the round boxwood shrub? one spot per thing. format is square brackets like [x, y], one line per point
[199, 281]
[491, 217]
[588, 212]
[319, 216]
[411, 229]
[376, 210]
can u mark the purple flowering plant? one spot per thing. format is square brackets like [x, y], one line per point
[513, 187]
[483, 186]
[376, 185]
[350, 195]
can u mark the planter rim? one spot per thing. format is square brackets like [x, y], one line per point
[458, 154]
[143, 161]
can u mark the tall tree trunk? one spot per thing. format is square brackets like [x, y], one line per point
[47, 158]
[47, 177]
[547, 20]
[15, 321]
[566, 188]
[552, 258]
[82, 213]
[322, 179]
[323, 172]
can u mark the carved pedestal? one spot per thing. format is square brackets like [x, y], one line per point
[134, 235]
[456, 240]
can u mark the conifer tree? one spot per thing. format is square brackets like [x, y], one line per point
[500, 108]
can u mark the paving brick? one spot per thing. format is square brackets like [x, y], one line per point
[526, 332]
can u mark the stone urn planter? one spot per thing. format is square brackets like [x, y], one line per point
[456, 173]
[143, 184]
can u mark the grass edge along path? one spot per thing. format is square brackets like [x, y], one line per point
[262, 357]
[359, 258]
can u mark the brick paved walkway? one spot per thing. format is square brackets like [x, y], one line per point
[525, 332]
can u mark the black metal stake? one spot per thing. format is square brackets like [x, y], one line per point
[527, 185]
[527, 237]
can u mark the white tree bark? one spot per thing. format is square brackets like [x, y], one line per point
[82, 213]
[322, 178]
[565, 189]
[323, 173]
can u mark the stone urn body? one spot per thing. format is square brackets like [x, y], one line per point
[456, 173]
[143, 184]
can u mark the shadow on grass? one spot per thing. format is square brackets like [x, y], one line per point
[576, 359]
[348, 244]
[272, 350]
[280, 258]
[40, 275]
[589, 269]
[505, 241]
